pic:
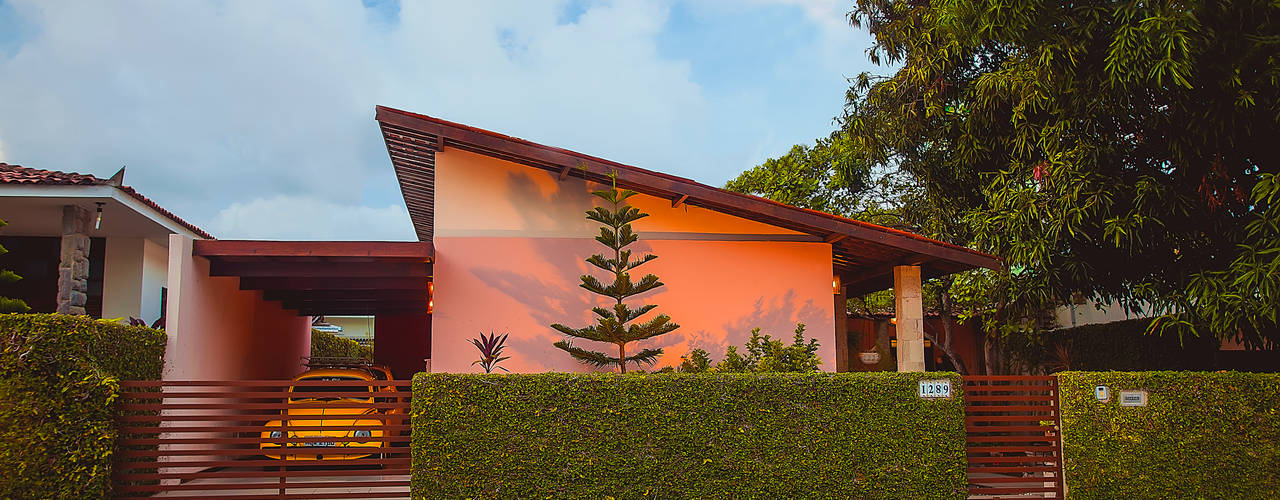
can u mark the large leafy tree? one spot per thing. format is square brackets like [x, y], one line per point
[1120, 150]
[617, 325]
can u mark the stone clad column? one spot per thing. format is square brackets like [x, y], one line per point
[909, 308]
[73, 262]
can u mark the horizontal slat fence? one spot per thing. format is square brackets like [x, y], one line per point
[203, 439]
[1013, 442]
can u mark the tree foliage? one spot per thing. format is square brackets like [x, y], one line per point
[1107, 149]
[617, 325]
[8, 305]
[762, 354]
[1123, 151]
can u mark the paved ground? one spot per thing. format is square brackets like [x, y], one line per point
[341, 483]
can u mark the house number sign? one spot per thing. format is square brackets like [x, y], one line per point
[935, 389]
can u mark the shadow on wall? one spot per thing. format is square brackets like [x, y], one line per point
[562, 210]
[558, 298]
[537, 281]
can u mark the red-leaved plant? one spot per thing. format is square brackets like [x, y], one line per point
[490, 351]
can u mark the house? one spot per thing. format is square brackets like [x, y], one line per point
[85, 245]
[505, 219]
[502, 240]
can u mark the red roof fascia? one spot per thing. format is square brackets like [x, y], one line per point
[865, 224]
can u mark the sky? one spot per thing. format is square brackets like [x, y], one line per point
[255, 119]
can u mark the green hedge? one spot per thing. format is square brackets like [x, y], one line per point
[328, 345]
[1202, 435]
[58, 378]
[852, 435]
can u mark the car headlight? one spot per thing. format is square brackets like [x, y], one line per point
[276, 434]
[363, 434]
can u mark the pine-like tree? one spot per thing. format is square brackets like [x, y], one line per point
[8, 305]
[616, 326]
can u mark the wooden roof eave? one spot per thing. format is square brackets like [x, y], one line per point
[557, 160]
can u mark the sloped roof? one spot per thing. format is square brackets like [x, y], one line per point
[17, 174]
[863, 254]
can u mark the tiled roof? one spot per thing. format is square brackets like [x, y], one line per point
[16, 174]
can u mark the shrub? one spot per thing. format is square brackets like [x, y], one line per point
[764, 354]
[711, 435]
[328, 345]
[1201, 435]
[60, 377]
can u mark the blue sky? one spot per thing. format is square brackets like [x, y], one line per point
[255, 119]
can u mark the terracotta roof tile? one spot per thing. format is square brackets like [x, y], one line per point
[16, 174]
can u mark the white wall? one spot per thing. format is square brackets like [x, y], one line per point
[155, 272]
[122, 279]
[1089, 313]
[134, 272]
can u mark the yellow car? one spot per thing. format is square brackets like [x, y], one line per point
[347, 430]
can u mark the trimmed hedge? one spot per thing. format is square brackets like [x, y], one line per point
[328, 345]
[720, 435]
[1202, 435]
[58, 377]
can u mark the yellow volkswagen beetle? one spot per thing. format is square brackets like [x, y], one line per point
[340, 428]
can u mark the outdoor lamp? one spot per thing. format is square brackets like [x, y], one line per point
[98, 224]
[835, 284]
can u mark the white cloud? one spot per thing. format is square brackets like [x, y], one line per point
[217, 106]
[306, 218]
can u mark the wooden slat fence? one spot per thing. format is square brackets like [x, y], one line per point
[1014, 446]
[205, 439]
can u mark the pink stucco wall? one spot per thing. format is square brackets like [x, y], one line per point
[510, 243]
[219, 332]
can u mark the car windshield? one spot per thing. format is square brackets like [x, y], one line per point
[328, 388]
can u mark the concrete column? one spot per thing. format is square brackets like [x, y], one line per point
[842, 327]
[73, 261]
[909, 308]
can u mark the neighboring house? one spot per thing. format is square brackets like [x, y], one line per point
[357, 328]
[85, 245]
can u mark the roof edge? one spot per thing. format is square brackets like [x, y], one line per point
[487, 142]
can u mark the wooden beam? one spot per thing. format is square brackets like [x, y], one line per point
[354, 295]
[391, 249]
[329, 283]
[360, 311]
[349, 305]
[285, 269]
[679, 201]
[832, 238]
[564, 172]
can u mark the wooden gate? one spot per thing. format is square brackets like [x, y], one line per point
[264, 439]
[1013, 443]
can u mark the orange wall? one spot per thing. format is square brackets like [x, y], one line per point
[510, 243]
[219, 332]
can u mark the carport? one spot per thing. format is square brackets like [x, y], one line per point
[241, 309]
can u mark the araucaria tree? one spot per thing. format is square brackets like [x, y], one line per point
[617, 326]
[8, 305]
